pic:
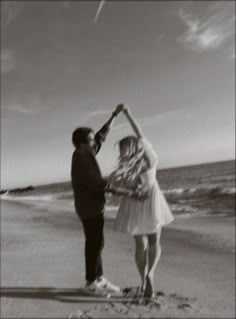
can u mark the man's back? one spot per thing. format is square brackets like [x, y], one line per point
[87, 183]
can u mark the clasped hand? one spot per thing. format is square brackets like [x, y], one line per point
[118, 109]
[140, 195]
[121, 107]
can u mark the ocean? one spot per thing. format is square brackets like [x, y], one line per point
[199, 190]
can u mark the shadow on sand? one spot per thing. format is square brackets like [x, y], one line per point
[58, 294]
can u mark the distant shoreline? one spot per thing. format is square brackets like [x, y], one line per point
[162, 170]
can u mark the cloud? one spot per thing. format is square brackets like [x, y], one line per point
[9, 11]
[160, 38]
[65, 4]
[20, 109]
[7, 61]
[154, 119]
[232, 53]
[95, 116]
[144, 121]
[99, 113]
[101, 4]
[209, 31]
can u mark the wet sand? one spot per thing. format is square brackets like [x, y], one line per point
[42, 268]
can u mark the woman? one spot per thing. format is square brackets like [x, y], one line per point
[142, 218]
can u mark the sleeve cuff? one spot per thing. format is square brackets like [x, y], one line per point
[107, 188]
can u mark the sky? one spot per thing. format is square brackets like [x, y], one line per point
[66, 64]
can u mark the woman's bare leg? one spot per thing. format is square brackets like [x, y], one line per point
[154, 254]
[141, 257]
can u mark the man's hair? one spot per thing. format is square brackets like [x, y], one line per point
[80, 135]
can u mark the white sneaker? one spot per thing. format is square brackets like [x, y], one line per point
[104, 283]
[95, 289]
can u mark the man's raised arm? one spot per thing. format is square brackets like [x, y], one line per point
[101, 135]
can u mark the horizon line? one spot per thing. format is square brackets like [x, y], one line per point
[162, 169]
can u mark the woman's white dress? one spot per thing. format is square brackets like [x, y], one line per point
[138, 217]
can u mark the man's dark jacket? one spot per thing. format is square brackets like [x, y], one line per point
[88, 185]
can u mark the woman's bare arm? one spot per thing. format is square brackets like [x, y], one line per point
[122, 191]
[134, 124]
[136, 127]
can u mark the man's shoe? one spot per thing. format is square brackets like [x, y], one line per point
[95, 289]
[104, 283]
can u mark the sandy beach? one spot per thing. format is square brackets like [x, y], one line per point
[42, 268]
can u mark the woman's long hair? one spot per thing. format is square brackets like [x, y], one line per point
[132, 162]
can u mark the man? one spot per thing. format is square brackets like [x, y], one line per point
[89, 194]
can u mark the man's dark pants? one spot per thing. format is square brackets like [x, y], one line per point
[94, 243]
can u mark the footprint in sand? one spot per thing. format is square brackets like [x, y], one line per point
[188, 307]
[78, 315]
[133, 305]
[184, 306]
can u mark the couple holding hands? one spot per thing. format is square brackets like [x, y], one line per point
[143, 209]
